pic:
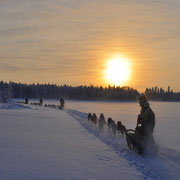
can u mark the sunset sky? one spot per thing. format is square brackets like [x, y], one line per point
[71, 41]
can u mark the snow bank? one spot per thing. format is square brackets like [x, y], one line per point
[43, 143]
[12, 106]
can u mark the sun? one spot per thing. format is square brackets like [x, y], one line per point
[117, 71]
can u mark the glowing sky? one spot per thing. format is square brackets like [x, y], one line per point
[69, 41]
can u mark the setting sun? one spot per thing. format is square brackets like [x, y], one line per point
[117, 71]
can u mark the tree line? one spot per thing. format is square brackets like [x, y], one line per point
[53, 91]
[159, 94]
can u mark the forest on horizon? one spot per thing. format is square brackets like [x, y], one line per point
[53, 91]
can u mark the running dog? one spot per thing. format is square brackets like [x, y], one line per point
[121, 128]
[112, 126]
[92, 118]
[101, 122]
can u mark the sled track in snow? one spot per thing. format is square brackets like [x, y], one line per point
[156, 168]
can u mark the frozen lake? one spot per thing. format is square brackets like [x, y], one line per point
[167, 116]
[46, 143]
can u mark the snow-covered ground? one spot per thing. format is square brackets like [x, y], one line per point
[44, 143]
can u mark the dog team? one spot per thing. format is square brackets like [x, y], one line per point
[61, 106]
[112, 126]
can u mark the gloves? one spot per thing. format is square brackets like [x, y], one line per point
[139, 119]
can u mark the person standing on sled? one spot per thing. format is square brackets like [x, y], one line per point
[61, 104]
[145, 125]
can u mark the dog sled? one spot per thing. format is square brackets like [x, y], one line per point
[134, 142]
[140, 144]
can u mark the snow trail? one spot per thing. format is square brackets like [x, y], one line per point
[163, 166]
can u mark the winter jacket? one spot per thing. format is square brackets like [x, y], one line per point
[147, 121]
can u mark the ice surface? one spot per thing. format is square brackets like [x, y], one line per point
[45, 143]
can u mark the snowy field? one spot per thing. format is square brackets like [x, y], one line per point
[39, 143]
